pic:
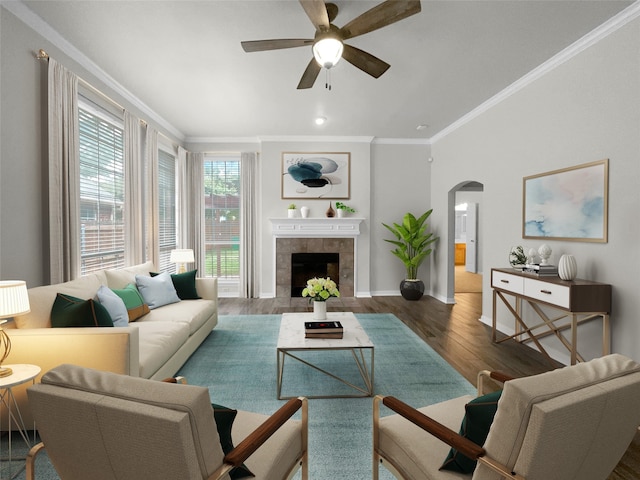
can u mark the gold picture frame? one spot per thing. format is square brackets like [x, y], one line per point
[567, 204]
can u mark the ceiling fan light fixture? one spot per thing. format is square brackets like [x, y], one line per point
[328, 51]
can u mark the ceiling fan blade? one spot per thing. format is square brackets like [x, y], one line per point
[317, 12]
[384, 14]
[364, 61]
[262, 45]
[310, 74]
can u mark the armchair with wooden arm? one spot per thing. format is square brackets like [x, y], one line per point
[106, 426]
[574, 422]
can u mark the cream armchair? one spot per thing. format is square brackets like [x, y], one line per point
[107, 426]
[575, 422]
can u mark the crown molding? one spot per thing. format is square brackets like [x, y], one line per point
[401, 141]
[222, 140]
[36, 23]
[599, 33]
[316, 138]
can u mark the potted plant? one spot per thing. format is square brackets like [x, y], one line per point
[342, 209]
[319, 290]
[412, 247]
[291, 212]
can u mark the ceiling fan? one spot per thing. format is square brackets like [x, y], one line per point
[328, 43]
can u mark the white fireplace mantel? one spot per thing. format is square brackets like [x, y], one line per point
[316, 227]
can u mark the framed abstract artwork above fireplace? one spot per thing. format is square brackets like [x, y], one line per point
[316, 175]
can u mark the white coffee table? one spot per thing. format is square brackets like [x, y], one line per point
[291, 339]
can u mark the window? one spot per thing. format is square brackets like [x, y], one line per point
[101, 142]
[166, 208]
[222, 218]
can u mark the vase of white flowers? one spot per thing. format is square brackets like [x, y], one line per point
[319, 290]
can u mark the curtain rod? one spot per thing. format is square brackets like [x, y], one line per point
[42, 55]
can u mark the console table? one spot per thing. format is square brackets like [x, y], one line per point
[578, 301]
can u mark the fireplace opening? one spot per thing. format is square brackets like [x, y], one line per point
[308, 265]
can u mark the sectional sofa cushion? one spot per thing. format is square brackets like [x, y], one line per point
[185, 284]
[159, 341]
[134, 302]
[114, 305]
[157, 291]
[69, 311]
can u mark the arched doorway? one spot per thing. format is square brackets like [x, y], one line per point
[464, 266]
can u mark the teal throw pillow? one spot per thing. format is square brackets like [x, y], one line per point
[68, 311]
[157, 291]
[185, 284]
[114, 305]
[134, 302]
[224, 418]
[477, 420]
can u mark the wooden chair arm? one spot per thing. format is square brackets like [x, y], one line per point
[30, 464]
[180, 380]
[245, 449]
[498, 378]
[445, 434]
[501, 377]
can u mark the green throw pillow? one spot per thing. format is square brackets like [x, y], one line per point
[134, 302]
[68, 311]
[224, 418]
[185, 284]
[477, 420]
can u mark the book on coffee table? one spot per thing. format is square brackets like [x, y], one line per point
[323, 329]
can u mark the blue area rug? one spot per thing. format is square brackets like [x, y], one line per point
[237, 362]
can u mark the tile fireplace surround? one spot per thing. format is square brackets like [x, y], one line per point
[315, 235]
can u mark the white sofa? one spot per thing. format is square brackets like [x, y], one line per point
[155, 346]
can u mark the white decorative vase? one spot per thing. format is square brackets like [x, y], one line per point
[304, 211]
[319, 310]
[291, 213]
[567, 267]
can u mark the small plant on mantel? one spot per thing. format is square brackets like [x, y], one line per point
[346, 208]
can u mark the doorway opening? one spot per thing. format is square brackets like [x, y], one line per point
[465, 233]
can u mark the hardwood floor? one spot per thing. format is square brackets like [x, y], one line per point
[454, 331]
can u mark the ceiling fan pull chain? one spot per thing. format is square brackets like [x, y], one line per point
[327, 83]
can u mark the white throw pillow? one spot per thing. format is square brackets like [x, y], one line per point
[114, 305]
[157, 291]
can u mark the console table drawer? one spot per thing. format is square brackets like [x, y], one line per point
[505, 281]
[547, 292]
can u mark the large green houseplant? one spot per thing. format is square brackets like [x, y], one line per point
[412, 248]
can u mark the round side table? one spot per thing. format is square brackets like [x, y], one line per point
[22, 373]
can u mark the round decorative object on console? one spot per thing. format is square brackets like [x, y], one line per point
[545, 252]
[567, 267]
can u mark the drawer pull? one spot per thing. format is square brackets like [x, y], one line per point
[548, 292]
[504, 281]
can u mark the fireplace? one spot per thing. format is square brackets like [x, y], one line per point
[340, 266]
[308, 265]
[312, 237]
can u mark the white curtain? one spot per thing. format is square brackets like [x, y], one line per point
[191, 192]
[249, 225]
[152, 196]
[64, 176]
[133, 192]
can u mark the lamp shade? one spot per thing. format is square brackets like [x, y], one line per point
[182, 255]
[14, 299]
[328, 51]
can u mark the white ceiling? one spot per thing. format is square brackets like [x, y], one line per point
[184, 61]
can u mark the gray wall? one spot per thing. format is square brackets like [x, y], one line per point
[584, 110]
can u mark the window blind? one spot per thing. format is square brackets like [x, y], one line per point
[167, 231]
[101, 144]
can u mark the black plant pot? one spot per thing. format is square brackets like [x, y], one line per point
[412, 289]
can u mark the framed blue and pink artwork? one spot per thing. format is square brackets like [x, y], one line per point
[316, 175]
[567, 204]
